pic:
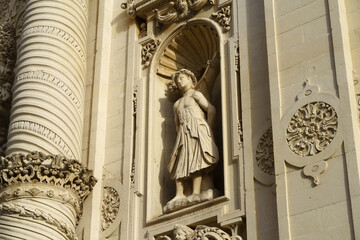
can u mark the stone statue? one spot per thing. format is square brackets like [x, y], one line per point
[195, 152]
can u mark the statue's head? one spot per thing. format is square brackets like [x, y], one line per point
[182, 74]
[182, 232]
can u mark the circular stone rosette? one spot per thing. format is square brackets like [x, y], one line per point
[312, 128]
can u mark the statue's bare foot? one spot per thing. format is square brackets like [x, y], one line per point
[177, 198]
[178, 202]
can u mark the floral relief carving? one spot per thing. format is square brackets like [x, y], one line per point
[37, 214]
[147, 52]
[37, 167]
[223, 17]
[110, 207]
[265, 153]
[312, 128]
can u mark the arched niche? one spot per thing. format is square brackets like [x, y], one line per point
[194, 45]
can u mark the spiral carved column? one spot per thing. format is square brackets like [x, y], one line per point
[48, 92]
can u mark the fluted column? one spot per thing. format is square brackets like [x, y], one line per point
[48, 92]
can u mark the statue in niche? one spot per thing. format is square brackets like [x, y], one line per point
[195, 153]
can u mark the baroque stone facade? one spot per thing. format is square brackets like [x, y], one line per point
[199, 119]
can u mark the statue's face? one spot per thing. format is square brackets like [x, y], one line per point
[184, 82]
[179, 235]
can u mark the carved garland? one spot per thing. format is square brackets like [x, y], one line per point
[265, 153]
[36, 167]
[312, 128]
[37, 214]
[223, 17]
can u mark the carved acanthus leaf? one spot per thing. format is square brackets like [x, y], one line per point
[37, 167]
[223, 17]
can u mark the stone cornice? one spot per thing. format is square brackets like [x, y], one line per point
[56, 170]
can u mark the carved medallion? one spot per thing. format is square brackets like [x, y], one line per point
[265, 153]
[312, 128]
[110, 207]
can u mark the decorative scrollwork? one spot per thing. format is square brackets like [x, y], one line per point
[312, 128]
[223, 17]
[110, 207]
[148, 51]
[265, 153]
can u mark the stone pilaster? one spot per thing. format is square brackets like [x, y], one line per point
[48, 92]
[41, 196]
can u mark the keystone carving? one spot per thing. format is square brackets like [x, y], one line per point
[312, 128]
[223, 17]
